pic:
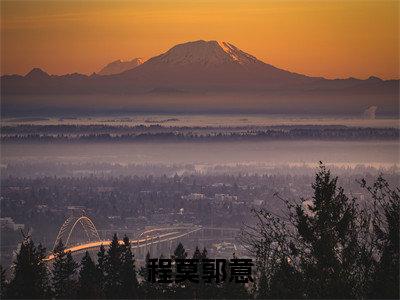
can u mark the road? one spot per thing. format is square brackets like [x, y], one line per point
[138, 243]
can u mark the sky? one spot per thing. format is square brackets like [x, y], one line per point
[333, 39]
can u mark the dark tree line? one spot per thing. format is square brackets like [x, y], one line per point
[113, 276]
[255, 135]
[329, 246]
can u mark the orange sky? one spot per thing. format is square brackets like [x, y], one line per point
[334, 39]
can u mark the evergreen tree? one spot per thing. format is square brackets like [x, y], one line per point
[204, 253]
[192, 290]
[30, 280]
[64, 273]
[129, 283]
[197, 253]
[285, 283]
[113, 267]
[88, 283]
[328, 231]
[203, 290]
[385, 280]
[43, 271]
[229, 289]
[148, 290]
[180, 252]
[143, 270]
[147, 256]
[101, 268]
[178, 290]
[317, 245]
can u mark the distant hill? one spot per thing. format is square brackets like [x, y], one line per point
[120, 66]
[207, 69]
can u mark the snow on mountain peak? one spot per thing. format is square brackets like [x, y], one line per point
[206, 53]
[120, 66]
[228, 49]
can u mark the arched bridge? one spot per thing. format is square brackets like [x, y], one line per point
[148, 238]
[67, 228]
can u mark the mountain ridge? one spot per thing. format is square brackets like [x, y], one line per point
[203, 68]
[119, 66]
[140, 61]
[226, 46]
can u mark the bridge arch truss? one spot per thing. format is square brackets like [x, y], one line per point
[68, 227]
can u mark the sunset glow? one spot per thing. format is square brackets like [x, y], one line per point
[333, 39]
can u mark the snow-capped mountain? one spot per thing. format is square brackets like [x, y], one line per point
[209, 63]
[120, 66]
[208, 75]
[206, 53]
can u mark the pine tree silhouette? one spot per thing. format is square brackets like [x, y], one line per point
[113, 267]
[180, 252]
[327, 227]
[101, 269]
[64, 273]
[88, 283]
[30, 278]
[129, 282]
[385, 280]
[285, 282]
